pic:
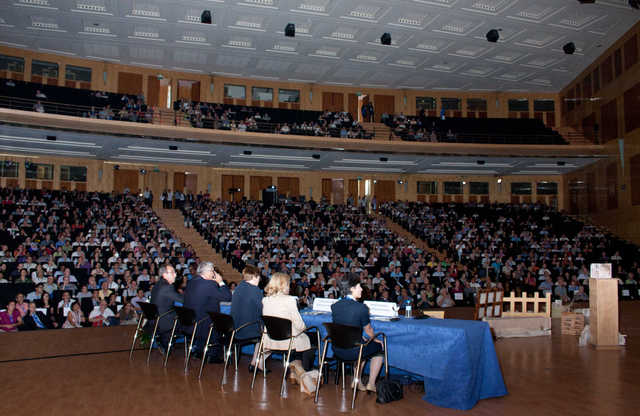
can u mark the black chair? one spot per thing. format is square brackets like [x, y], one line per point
[223, 324]
[278, 329]
[150, 313]
[187, 319]
[348, 337]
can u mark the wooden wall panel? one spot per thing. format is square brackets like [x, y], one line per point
[257, 184]
[609, 120]
[326, 189]
[178, 181]
[337, 191]
[634, 179]
[607, 70]
[232, 182]
[632, 108]
[631, 52]
[352, 105]
[333, 101]
[130, 83]
[383, 104]
[191, 183]
[289, 186]
[125, 179]
[153, 91]
[353, 189]
[384, 191]
[612, 186]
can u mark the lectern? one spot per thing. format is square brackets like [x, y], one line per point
[603, 304]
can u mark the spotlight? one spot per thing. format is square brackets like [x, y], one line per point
[464, 182]
[385, 39]
[384, 159]
[375, 181]
[635, 4]
[173, 147]
[587, 1]
[290, 30]
[493, 35]
[499, 180]
[206, 17]
[400, 182]
[247, 152]
[569, 48]
[315, 156]
[116, 167]
[561, 163]
[480, 162]
[143, 171]
[52, 138]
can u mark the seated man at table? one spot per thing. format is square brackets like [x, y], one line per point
[246, 306]
[348, 311]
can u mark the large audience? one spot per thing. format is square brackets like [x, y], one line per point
[71, 259]
[74, 259]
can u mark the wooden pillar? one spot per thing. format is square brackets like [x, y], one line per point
[603, 304]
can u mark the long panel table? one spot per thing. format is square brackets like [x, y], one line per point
[457, 358]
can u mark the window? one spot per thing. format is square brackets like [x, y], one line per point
[543, 105]
[44, 69]
[430, 188]
[427, 103]
[288, 96]
[519, 104]
[521, 188]
[9, 169]
[476, 104]
[450, 103]
[261, 94]
[38, 170]
[235, 91]
[479, 188]
[77, 73]
[73, 173]
[11, 63]
[453, 188]
[547, 188]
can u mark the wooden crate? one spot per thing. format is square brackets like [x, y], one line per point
[571, 323]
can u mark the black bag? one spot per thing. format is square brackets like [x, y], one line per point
[388, 391]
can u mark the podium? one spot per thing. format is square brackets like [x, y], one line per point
[603, 305]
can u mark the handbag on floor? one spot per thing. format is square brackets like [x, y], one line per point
[388, 391]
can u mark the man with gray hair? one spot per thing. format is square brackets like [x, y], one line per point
[203, 294]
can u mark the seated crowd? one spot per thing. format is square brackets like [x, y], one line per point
[321, 246]
[423, 128]
[74, 102]
[522, 248]
[268, 120]
[78, 259]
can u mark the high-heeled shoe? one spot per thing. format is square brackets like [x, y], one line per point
[296, 372]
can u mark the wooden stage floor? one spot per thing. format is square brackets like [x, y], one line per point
[544, 376]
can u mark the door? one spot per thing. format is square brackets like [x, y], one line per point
[352, 105]
[153, 91]
[333, 101]
[384, 191]
[383, 104]
[256, 185]
[289, 187]
[191, 183]
[157, 183]
[129, 83]
[125, 179]
[232, 187]
[337, 191]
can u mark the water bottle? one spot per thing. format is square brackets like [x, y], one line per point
[407, 308]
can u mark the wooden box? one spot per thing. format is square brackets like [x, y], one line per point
[571, 323]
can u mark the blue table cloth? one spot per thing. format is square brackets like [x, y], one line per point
[457, 358]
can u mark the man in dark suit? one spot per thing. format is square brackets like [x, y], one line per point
[203, 294]
[163, 295]
[34, 319]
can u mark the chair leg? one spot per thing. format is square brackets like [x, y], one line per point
[227, 354]
[236, 351]
[135, 337]
[153, 338]
[255, 369]
[386, 360]
[173, 333]
[356, 378]
[193, 337]
[322, 358]
[286, 367]
[204, 354]
[344, 375]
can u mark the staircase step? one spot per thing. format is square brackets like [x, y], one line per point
[173, 219]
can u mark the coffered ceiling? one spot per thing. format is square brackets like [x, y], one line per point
[436, 44]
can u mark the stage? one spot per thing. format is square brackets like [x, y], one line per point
[87, 372]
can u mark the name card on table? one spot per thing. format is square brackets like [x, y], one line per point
[600, 270]
[387, 309]
[323, 304]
